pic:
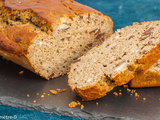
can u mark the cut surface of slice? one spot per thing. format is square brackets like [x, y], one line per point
[130, 50]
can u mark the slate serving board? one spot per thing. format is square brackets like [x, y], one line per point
[14, 88]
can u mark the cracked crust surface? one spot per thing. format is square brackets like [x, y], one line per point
[129, 51]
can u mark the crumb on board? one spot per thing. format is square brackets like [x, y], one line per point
[120, 93]
[62, 90]
[42, 96]
[144, 98]
[48, 94]
[136, 98]
[21, 72]
[128, 90]
[125, 86]
[73, 104]
[34, 101]
[53, 92]
[96, 103]
[28, 95]
[115, 93]
[37, 93]
[82, 106]
[44, 93]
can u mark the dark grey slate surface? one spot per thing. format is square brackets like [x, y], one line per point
[14, 89]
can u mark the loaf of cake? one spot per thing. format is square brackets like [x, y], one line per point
[45, 36]
[130, 50]
[151, 78]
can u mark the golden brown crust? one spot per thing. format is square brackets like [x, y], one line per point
[96, 91]
[48, 10]
[16, 40]
[148, 79]
[141, 65]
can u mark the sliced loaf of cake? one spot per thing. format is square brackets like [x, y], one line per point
[151, 78]
[130, 50]
[45, 36]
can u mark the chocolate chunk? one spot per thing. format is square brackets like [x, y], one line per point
[17, 39]
[93, 31]
[89, 16]
[104, 65]
[132, 36]
[90, 44]
[77, 60]
[51, 75]
[100, 35]
[80, 17]
[62, 39]
[98, 32]
[144, 52]
[147, 33]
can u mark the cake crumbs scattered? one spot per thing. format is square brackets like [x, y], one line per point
[136, 98]
[115, 93]
[28, 95]
[73, 104]
[37, 93]
[53, 92]
[144, 98]
[42, 96]
[44, 93]
[120, 90]
[48, 94]
[34, 101]
[21, 72]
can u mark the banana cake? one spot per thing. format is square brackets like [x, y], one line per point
[130, 50]
[45, 36]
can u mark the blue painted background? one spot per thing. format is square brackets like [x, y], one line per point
[123, 13]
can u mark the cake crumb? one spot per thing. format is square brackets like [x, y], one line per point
[144, 98]
[37, 93]
[82, 106]
[53, 92]
[128, 90]
[120, 93]
[120, 90]
[115, 93]
[78, 103]
[21, 72]
[62, 90]
[34, 101]
[44, 93]
[136, 94]
[72, 104]
[96, 103]
[136, 99]
[125, 86]
[48, 94]
[28, 95]
[42, 96]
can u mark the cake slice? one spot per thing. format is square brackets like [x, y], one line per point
[45, 36]
[151, 78]
[130, 50]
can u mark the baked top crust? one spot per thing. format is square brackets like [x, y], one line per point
[48, 10]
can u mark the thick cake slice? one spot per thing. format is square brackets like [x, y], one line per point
[130, 50]
[151, 78]
[45, 36]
